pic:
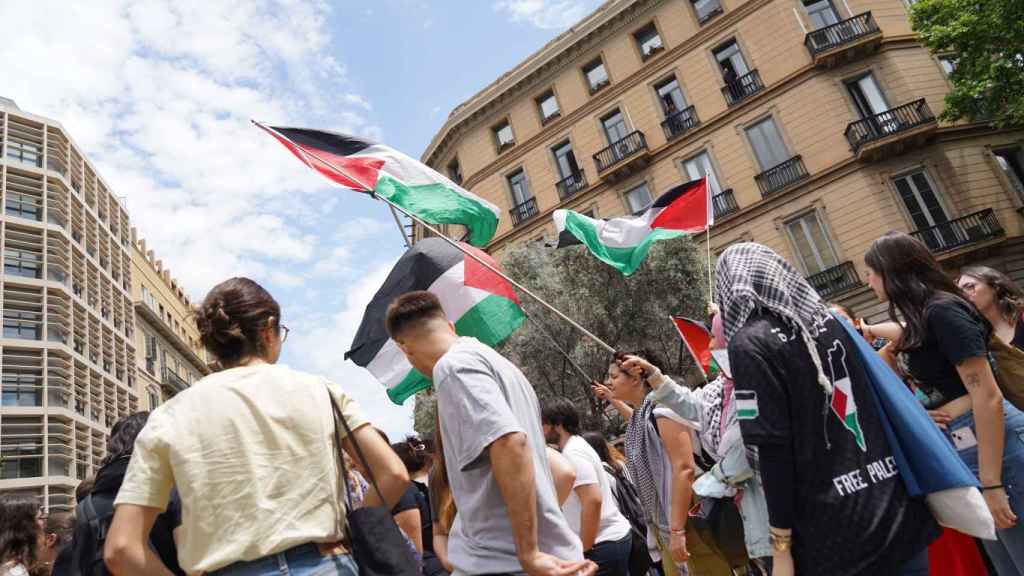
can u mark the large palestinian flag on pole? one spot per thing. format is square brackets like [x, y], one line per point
[382, 171]
[624, 242]
[480, 303]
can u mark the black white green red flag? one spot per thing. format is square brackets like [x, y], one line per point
[479, 302]
[380, 170]
[624, 242]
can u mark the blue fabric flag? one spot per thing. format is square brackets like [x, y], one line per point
[927, 461]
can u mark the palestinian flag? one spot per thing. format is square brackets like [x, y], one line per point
[697, 339]
[382, 171]
[844, 407]
[480, 303]
[623, 242]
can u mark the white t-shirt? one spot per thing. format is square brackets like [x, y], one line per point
[589, 470]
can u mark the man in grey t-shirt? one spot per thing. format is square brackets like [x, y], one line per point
[508, 519]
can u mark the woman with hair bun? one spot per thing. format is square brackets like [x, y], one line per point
[253, 452]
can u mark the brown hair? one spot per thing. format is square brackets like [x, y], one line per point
[232, 319]
[912, 279]
[438, 479]
[1009, 298]
[61, 524]
[19, 532]
[412, 309]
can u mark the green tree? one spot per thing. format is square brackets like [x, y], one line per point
[629, 313]
[424, 414]
[986, 40]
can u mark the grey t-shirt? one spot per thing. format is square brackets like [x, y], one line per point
[481, 396]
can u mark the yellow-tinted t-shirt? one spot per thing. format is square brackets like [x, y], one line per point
[252, 454]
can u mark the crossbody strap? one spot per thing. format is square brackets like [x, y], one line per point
[339, 418]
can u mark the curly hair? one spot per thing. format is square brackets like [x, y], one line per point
[19, 529]
[123, 435]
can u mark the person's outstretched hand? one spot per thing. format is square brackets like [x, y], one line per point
[541, 564]
[637, 366]
[601, 391]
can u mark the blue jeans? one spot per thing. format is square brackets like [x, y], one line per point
[611, 557]
[303, 560]
[1007, 552]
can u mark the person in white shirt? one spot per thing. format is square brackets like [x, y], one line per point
[591, 509]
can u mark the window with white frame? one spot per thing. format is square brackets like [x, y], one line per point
[699, 166]
[811, 243]
[639, 198]
[766, 141]
[503, 136]
[1011, 162]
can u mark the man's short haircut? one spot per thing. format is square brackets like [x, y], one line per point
[411, 310]
[560, 411]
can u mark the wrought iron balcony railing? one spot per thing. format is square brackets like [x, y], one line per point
[742, 88]
[835, 279]
[571, 184]
[724, 203]
[678, 123]
[778, 177]
[840, 33]
[888, 123]
[977, 227]
[630, 145]
[523, 212]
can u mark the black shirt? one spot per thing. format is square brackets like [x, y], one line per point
[954, 333]
[1018, 335]
[851, 513]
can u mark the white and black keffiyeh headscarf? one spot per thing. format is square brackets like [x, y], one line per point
[751, 276]
[645, 463]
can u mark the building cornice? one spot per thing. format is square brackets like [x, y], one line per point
[550, 59]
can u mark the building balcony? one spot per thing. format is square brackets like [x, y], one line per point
[835, 280]
[844, 41]
[778, 177]
[724, 203]
[572, 184]
[174, 382]
[971, 229]
[678, 123]
[524, 212]
[742, 88]
[623, 157]
[892, 132]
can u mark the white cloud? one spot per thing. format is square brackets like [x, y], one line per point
[546, 14]
[320, 343]
[159, 95]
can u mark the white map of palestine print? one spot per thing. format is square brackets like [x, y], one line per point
[843, 404]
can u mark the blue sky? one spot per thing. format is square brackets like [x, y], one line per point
[159, 95]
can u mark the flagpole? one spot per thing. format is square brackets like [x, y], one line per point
[710, 220]
[444, 237]
[401, 230]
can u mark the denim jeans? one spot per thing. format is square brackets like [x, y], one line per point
[1007, 552]
[304, 560]
[611, 557]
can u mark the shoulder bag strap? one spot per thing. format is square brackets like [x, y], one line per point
[341, 455]
[338, 417]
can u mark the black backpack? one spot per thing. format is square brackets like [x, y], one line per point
[89, 537]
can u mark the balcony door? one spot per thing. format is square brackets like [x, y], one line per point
[731, 61]
[670, 97]
[765, 140]
[615, 128]
[925, 210]
[821, 12]
[867, 96]
[811, 244]
[700, 166]
[520, 190]
[565, 159]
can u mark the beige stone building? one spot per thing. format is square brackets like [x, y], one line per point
[815, 120]
[67, 352]
[170, 356]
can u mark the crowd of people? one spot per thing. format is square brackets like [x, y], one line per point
[781, 463]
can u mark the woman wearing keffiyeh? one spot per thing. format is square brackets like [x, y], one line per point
[836, 502]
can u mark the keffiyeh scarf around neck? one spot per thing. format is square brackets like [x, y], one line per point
[645, 462]
[750, 276]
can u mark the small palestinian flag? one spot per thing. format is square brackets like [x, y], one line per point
[844, 406]
[697, 339]
[746, 405]
[382, 171]
[480, 303]
[623, 242]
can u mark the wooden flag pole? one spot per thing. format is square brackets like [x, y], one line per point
[444, 237]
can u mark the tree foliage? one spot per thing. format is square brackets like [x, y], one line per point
[986, 40]
[629, 313]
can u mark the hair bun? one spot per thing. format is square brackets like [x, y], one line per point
[214, 323]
